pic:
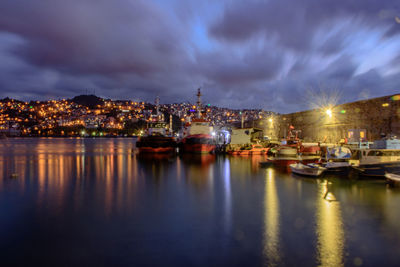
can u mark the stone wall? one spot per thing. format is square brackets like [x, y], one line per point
[377, 116]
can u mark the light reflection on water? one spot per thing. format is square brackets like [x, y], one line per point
[329, 227]
[105, 205]
[271, 237]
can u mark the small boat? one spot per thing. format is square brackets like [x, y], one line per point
[292, 151]
[392, 177]
[308, 170]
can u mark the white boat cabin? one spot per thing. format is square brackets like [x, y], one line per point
[198, 126]
[374, 156]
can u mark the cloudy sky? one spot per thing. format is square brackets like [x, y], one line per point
[280, 55]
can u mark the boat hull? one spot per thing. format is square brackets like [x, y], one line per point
[393, 179]
[337, 168]
[199, 143]
[377, 170]
[304, 170]
[157, 150]
[198, 148]
[156, 144]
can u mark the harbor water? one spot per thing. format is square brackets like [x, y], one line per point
[95, 202]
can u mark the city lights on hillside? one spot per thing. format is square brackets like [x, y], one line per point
[68, 118]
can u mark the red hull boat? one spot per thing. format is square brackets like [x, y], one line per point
[198, 143]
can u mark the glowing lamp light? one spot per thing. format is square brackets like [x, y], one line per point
[213, 133]
[385, 104]
[343, 111]
[329, 113]
[395, 97]
[270, 120]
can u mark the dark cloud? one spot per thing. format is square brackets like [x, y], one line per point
[230, 69]
[93, 36]
[244, 54]
[295, 23]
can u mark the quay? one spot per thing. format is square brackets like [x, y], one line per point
[366, 120]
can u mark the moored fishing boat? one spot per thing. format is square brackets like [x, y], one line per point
[376, 161]
[156, 139]
[197, 137]
[292, 151]
[337, 160]
[285, 156]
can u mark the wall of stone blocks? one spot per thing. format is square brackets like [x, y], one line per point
[378, 116]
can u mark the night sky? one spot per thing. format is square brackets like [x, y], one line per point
[280, 55]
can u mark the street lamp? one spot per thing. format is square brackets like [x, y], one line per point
[329, 112]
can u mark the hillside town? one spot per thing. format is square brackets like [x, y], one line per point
[89, 115]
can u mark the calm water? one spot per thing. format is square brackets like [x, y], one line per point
[94, 202]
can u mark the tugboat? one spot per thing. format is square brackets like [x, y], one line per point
[197, 137]
[156, 139]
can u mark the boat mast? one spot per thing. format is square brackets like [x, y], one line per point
[157, 107]
[198, 103]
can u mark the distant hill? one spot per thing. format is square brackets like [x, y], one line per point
[90, 101]
[7, 99]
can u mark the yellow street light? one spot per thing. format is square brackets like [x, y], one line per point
[329, 112]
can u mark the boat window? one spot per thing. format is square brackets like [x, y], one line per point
[376, 153]
[392, 153]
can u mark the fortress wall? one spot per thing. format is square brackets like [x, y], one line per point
[376, 116]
